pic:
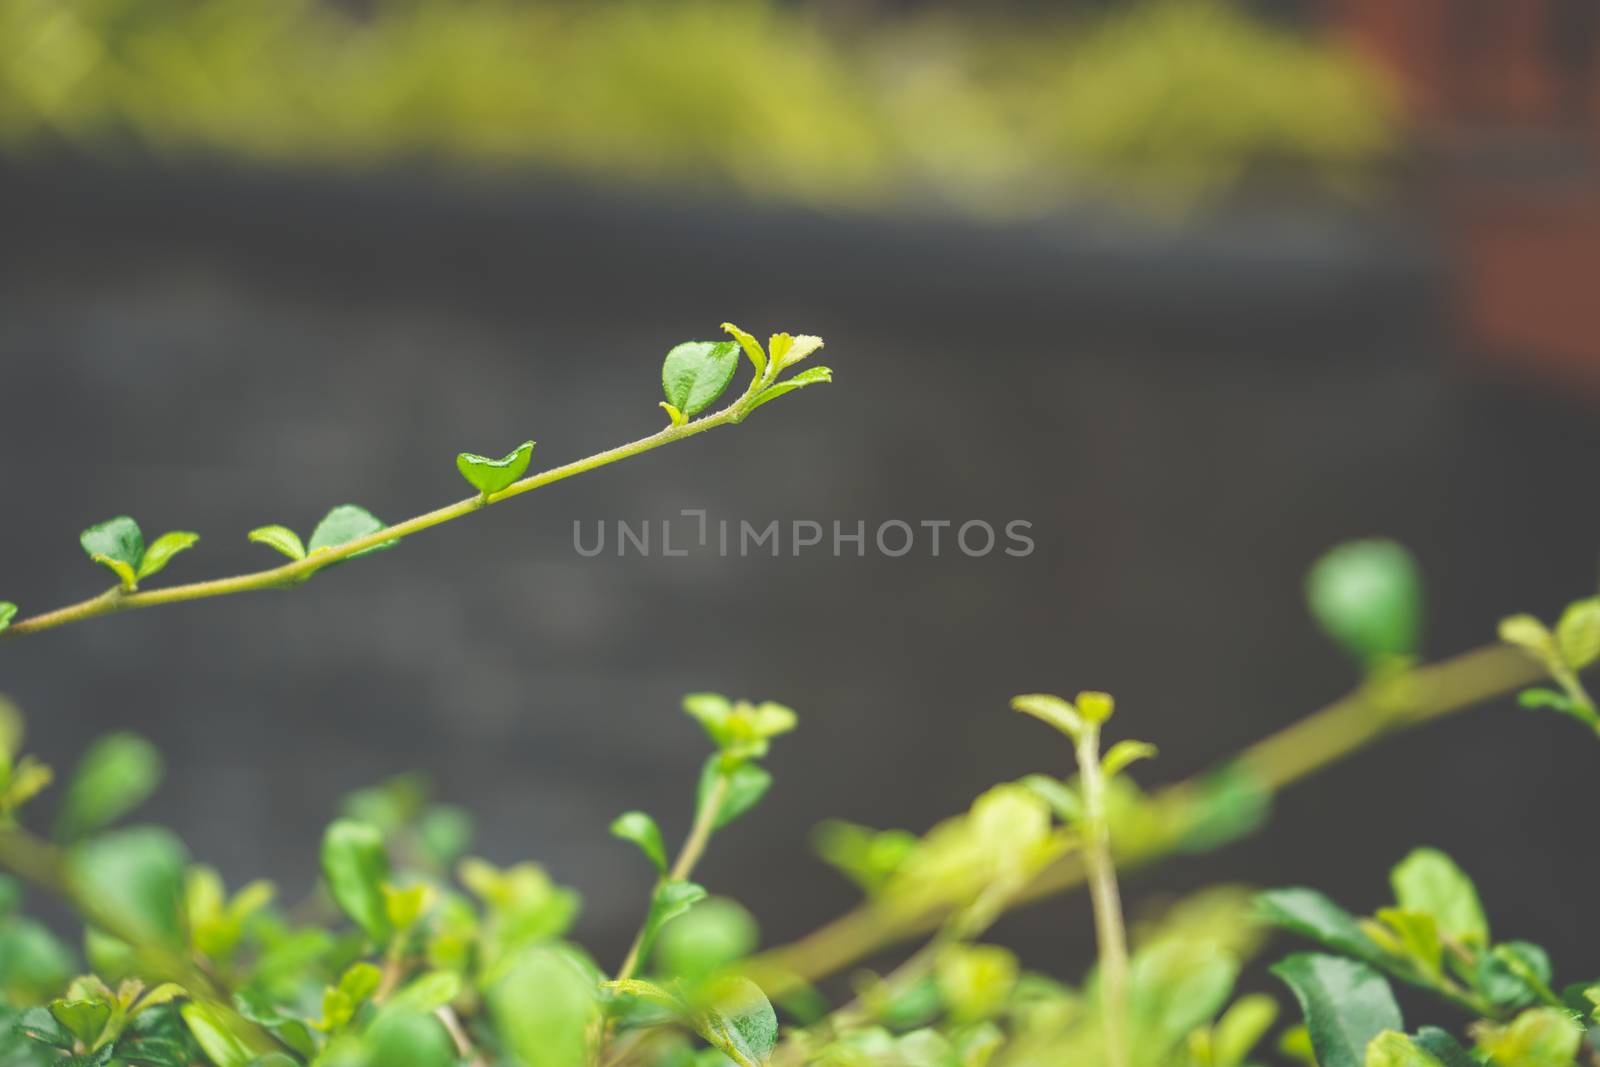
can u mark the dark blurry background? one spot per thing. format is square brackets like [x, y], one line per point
[1197, 290]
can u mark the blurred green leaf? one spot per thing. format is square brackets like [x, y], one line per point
[228, 1044]
[641, 829]
[402, 1036]
[1123, 753]
[1539, 1037]
[8, 611]
[1367, 596]
[1444, 1048]
[489, 476]
[1241, 1028]
[1578, 633]
[543, 1008]
[695, 373]
[39, 1024]
[1513, 975]
[344, 524]
[669, 900]
[1345, 1003]
[159, 554]
[117, 774]
[133, 879]
[1429, 881]
[1228, 803]
[355, 867]
[712, 934]
[428, 992]
[1528, 634]
[281, 538]
[446, 832]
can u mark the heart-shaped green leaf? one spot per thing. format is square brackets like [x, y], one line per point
[281, 538]
[787, 350]
[159, 554]
[116, 775]
[8, 611]
[489, 476]
[84, 1019]
[118, 545]
[642, 830]
[344, 524]
[695, 373]
[355, 866]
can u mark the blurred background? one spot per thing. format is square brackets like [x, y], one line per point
[1196, 288]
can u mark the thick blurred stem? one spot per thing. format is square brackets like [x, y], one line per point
[1281, 759]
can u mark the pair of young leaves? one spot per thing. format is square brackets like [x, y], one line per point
[696, 373]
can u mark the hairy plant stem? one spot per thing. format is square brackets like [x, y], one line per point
[1110, 934]
[1279, 760]
[296, 571]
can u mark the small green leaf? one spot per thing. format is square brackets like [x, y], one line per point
[1394, 1049]
[8, 611]
[115, 541]
[1418, 935]
[1539, 1037]
[1051, 710]
[281, 538]
[1123, 753]
[695, 373]
[355, 867]
[1528, 634]
[489, 476]
[1060, 796]
[1514, 975]
[1310, 914]
[116, 775]
[752, 347]
[814, 376]
[344, 524]
[642, 830]
[159, 554]
[1444, 1048]
[1241, 1028]
[740, 1021]
[543, 1008]
[670, 900]
[673, 414]
[1429, 881]
[1367, 596]
[133, 880]
[786, 350]
[429, 992]
[1346, 1004]
[1578, 633]
[747, 784]
[1538, 697]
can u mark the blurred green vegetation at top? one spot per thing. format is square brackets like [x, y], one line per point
[1170, 103]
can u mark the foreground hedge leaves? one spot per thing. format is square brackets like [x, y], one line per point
[356, 867]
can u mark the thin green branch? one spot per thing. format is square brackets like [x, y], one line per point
[297, 571]
[1110, 934]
